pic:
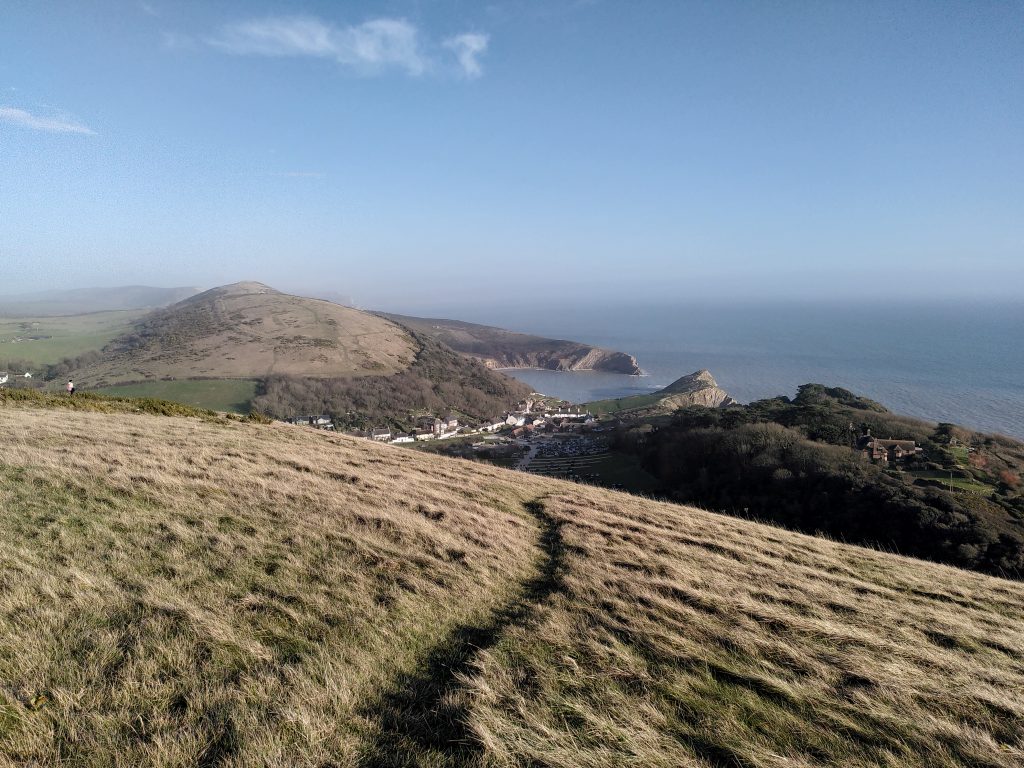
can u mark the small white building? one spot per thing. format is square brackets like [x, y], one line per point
[4, 378]
[384, 435]
[402, 437]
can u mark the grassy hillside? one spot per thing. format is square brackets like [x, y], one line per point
[206, 591]
[248, 330]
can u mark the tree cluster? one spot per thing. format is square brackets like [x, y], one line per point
[438, 381]
[792, 462]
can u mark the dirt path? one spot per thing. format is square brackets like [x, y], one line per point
[524, 463]
[423, 720]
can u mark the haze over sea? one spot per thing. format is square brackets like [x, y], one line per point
[953, 361]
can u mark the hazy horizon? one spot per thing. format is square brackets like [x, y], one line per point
[395, 151]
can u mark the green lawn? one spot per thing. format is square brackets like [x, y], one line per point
[972, 486]
[603, 407]
[960, 454]
[45, 340]
[231, 395]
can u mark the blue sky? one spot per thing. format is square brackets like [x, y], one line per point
[410, 154]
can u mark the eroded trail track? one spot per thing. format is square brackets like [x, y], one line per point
[423, 719]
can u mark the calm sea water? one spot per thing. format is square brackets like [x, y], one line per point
[945, 362]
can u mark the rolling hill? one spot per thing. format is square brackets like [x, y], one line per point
[192, 589]
[248, 330]
[248, 345]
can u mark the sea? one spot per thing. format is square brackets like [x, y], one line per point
[961, 362]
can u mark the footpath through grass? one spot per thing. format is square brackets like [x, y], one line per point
[213, 592]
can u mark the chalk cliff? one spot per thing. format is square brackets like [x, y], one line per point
[498, 348]
[698, 388]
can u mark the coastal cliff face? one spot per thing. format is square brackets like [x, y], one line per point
[582, 358]
[498, 348]
[698, 388]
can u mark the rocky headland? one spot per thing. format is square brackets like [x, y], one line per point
[499, 348]
[698, 388]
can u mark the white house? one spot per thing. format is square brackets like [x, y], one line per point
[515, 420]
[28, 375]
[402, 437]
[381, 434]
[4, 378]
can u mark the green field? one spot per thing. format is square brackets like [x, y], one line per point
[972, 486]
[45, 340]
[604, 407]
[231, 395]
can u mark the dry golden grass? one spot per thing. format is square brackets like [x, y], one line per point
[185, 591]
[248, 330]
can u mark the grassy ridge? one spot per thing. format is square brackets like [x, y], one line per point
[207, 591]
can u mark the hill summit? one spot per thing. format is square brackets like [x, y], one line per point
[250, 330]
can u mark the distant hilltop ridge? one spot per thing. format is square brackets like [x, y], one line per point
[250, 330]
[499, 348]
[80, 301]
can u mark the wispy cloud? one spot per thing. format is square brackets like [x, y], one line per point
[60, 124]
[468, 48]
[371, 46]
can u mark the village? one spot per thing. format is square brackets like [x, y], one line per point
[532, 416]
[547, 436]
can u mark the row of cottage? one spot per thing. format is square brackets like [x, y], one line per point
[434, 428]
[5, 377]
